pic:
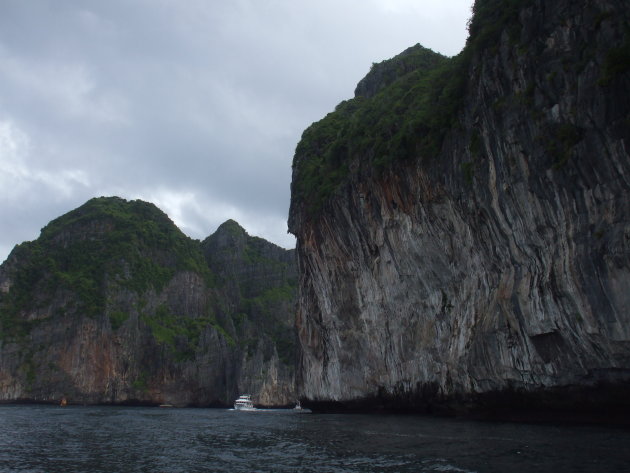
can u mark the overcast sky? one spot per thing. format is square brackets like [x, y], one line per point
[194, 105]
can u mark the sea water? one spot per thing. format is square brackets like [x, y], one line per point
[47, 439]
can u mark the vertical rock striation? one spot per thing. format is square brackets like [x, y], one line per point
[454, 257]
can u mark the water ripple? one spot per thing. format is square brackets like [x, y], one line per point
[45, 439]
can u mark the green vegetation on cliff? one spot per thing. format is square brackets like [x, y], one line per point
[105, 243]
[135, 242]
[407, 117]
[402, 110]
[180, 333]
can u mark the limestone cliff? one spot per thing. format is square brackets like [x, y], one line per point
[463, 230]
[113, 304]
[259, 283]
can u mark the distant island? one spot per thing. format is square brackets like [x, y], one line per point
[113, 304]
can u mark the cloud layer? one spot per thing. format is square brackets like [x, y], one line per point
[196, 106]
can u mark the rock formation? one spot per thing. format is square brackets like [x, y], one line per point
[258, 281]
[113, 304]
[463, 229]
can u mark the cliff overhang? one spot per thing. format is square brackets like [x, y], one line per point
[484, 251]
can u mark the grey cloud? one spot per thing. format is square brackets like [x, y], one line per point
[197, 105]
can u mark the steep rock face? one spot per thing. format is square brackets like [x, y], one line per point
[502, 262]
[259, 282]
[113, 304]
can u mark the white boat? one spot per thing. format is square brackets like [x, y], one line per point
[244, 403]
[298, 406]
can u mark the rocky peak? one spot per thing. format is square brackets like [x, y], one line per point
[228, 235]
[250, 265]
[231, 250]
[382, 74]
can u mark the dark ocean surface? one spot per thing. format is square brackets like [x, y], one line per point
[48, 439]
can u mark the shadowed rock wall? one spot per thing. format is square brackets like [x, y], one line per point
[499, 264]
